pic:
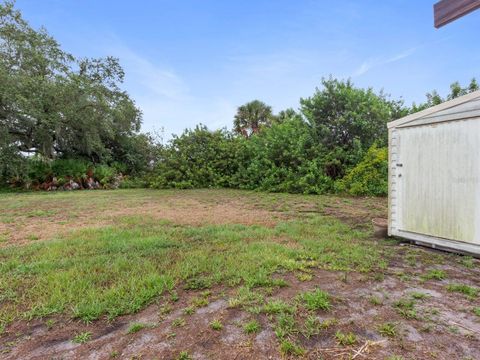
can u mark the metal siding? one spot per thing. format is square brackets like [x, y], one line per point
[438, 191]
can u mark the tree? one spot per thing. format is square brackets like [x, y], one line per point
[54, 105]
[250, 118]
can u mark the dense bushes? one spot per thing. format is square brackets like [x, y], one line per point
[369, 176]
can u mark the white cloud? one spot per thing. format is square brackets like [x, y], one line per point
[376, 62]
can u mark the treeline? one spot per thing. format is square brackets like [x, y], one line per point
[66, 123]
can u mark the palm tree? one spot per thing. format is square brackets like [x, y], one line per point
[251, 117]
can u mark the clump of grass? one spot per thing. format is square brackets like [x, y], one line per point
[190, 310]
[476, 311]
[278, 306]
[289, 348]
[467, 261]
[406, 308]
[285, 325]
[200, 302]
[197, 283]
[467, 290]
[375, 300]
[251, 327]
[216, 325]
[434, 274]
[82, 338]
[184, 355]
[316, 300]
[245, 297]
[304, 276]
[311, 326]
[345, 339]
[418, 295]
[135, 327]
[388, 329]
[179, 322]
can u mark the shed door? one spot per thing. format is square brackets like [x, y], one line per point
[438, 180]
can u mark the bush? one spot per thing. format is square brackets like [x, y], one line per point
[369, 176]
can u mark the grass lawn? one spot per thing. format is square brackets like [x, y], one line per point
[103, 256]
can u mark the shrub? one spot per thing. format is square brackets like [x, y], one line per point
[369, 176]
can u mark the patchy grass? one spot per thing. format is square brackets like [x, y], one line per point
[135, 327]
[434, 274]
[82, 338]
[251, 327]
[316, 300]
[345, 339]
[216, 325]
[141, 258]
[469, 291]
[388, 329]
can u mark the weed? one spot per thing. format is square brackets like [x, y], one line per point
[251, 327]
[345, 339]
[278, 306]
[50, 323]
[316, 300]
[174, 296]
[418, 295]
[200, 302]
[311, 326]
[406, 308]
[216, 325]
[387, 329]
[434, 274]
[285, 325]
[375, 300]
[135, 327]
[476, 311]
[197, 283]
[82, 338]
[190, 310]
[467, 290]
[468, 262]
[184, 355]
[179, 322]
[289, 348]
[304, 276]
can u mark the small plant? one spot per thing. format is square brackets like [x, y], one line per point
[216, 325]
[418, 295]
[114, 354]
[316, 300]
[49, 323]
[174, 296]
[289, 348]
[304, 276]
[434, 274]
[179, 322]
[184, 355]
[199, 302]
[166, 309]
[406, 308]
[82, 338]
[375, 300]
[467, 261]
[251, 327]
[312, 326]
[345, 339]
[189, 310]
[476, 311]
[277, 307]
[197, 284]
[285, 325]
[135, 327]
[470, 291]
[388, 329]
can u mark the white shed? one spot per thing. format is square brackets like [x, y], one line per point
[434, 175]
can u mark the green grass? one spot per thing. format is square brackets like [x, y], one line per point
[136, 327]
[476, 311]
[119, 269]
[82, 338]
[345, 339]
[316, 300]
[434, 274]
[289, 348]
[388, 329]
[251, 327]
[469, 291]
[216, 325]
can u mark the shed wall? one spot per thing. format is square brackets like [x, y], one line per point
[434, 181]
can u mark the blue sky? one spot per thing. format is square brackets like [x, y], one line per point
[192, 61]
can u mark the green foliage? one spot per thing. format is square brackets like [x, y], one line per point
[82, 338]
[251, 327]
[316, 300]
[251, 117]
[470, 291]
[345, 339]
[198, 158]
[369, 176]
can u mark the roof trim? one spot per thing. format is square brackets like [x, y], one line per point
[431, 110]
